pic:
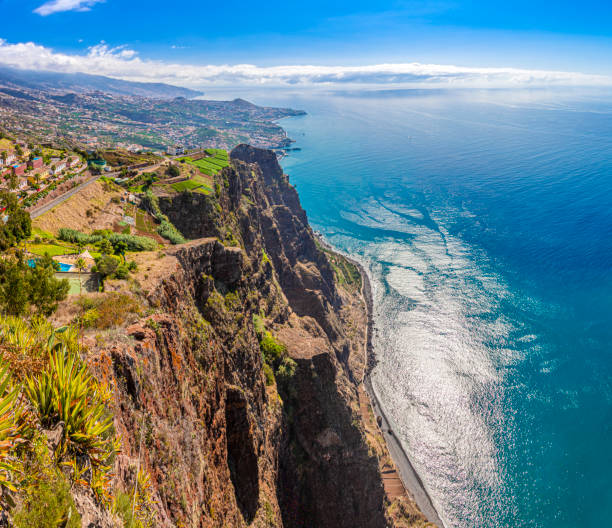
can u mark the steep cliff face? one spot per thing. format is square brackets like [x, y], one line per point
[226, 444]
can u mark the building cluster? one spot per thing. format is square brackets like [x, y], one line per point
[175, 150]
[22, 170]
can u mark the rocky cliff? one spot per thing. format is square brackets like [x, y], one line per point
[236, 387]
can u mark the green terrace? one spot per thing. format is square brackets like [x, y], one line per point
[207, 166]
[218, 159]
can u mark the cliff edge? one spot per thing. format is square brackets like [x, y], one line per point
[237, 385]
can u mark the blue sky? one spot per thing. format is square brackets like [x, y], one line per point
[542, 35]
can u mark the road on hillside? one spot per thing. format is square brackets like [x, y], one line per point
[35, 213]
[60, 199]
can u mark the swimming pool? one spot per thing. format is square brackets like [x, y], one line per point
[63, 266]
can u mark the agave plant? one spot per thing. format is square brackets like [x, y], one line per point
[24, 345]
[66, 392]
[11, 424]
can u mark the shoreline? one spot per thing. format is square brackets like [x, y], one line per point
[408, 474]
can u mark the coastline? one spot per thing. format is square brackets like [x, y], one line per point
[408, 474]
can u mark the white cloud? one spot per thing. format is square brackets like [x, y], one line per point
[124, 63]
[57, 6]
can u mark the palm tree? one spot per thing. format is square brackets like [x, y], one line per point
[80, 265]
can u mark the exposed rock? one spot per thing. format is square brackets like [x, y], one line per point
[92, 514]
[55, 435]
[191, 401]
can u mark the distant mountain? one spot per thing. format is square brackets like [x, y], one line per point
[82, 82]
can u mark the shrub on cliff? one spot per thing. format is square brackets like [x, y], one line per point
[47, 502]
[171, 233]
[277, 363]
[165, 229]
[109, 311]
[272, 349]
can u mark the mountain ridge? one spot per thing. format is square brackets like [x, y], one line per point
[85, 82]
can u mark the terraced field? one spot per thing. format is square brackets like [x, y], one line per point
[196, 184]
[207, 167]
[211, 165]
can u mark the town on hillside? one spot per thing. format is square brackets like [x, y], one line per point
[93, 212]
[37, 173]
[32, 171]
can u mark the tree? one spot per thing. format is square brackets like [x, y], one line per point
[120, 248]
[106, 248]
[173, 171]
[106, 265]
[18, 225]
[45, 290]
[80, 265]
[14, 298]
[19, 150]
[13, 181]
[23, 288]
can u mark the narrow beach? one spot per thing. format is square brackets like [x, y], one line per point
[408, 474]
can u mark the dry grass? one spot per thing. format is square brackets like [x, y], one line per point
[96, 198]
[110, 310]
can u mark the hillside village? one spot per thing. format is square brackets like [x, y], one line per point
[93, 211]
[29, 170]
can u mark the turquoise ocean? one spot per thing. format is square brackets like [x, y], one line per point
[485, 219]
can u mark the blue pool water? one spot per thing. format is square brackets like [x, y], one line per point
[486, 221]
[63, 266]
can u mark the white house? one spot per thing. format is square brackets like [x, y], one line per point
[57, 166]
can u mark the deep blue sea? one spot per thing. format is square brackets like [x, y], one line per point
[485, 218]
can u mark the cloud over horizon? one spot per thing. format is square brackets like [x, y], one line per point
[123, 63]
[58, 6]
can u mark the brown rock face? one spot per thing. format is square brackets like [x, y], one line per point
[224, 449]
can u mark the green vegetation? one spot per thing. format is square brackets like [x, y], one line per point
[15, 223]
[48, 503]
[65, 392]
[11, 414]
[53, 250]
[41, 371]
[194, 185]
[24, 289]
[118, 157]
[166, 229]
[346, 272]
[109, 311]
[173, 171]
[144, 222]
[132, 242]
[210, 166]
[277, 363]
[137, 510]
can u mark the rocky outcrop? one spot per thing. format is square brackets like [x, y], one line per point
[224, 448]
